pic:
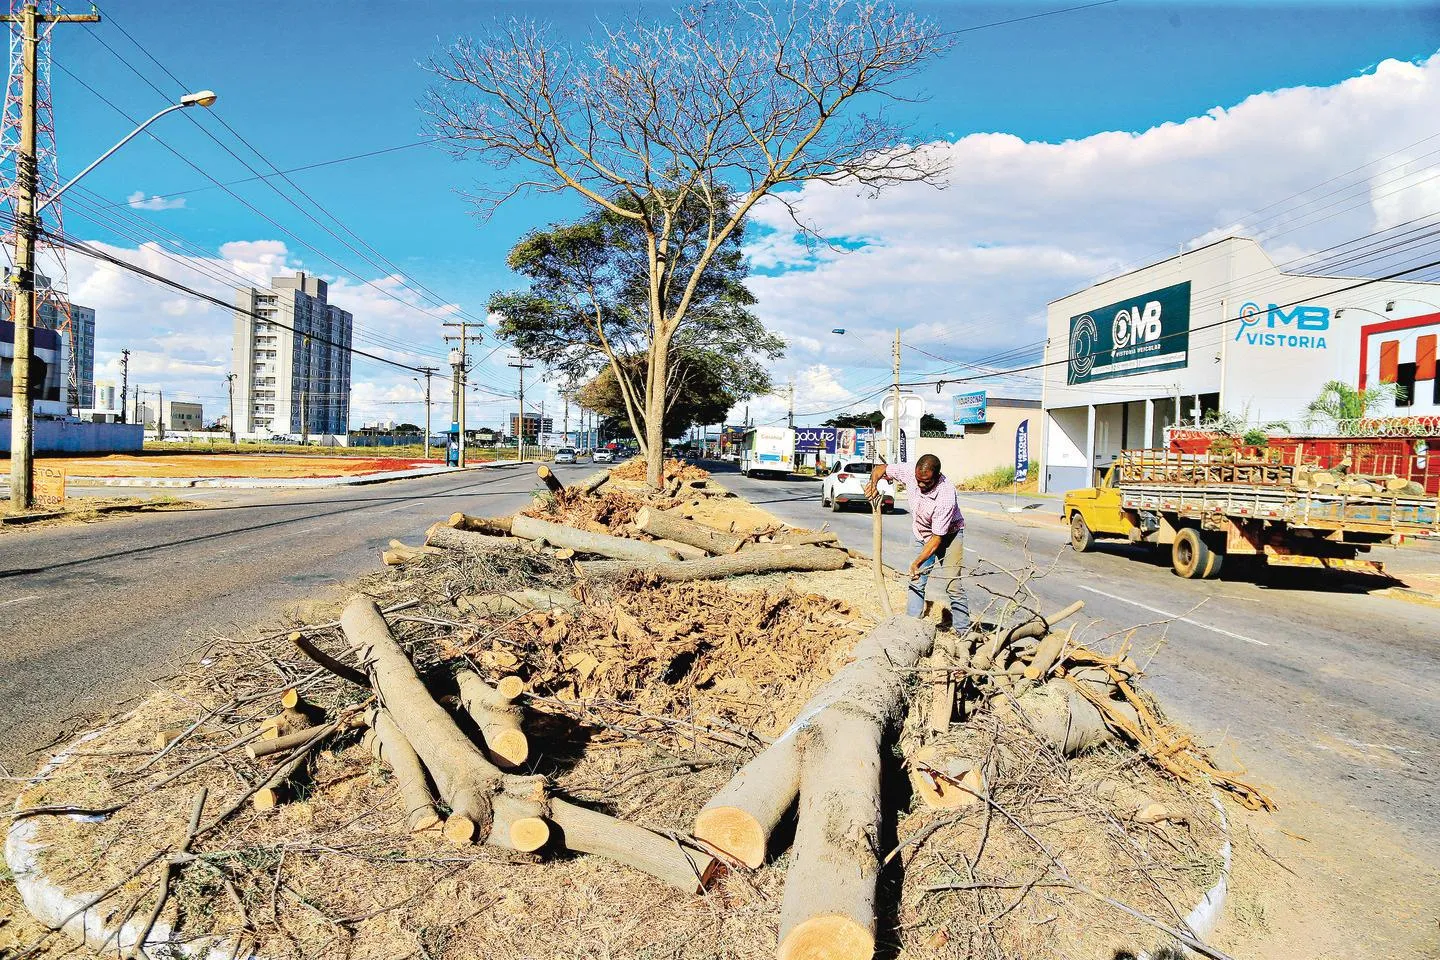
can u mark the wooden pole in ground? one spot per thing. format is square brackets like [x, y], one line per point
[668, 526]
[583, 541]
[709, 568]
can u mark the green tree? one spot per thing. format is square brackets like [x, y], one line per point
[853, 421]
[705, 392]
[1338, 401]
[584, 310]
[682, 127]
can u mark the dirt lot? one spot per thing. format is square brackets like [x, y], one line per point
[227, 465]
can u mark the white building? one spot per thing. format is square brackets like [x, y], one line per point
[293, 364]
[1221, 328]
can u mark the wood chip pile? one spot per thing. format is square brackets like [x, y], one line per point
[507, 747]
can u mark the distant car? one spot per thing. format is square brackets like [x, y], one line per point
[565, 455]
[604, 456]
[847, 485]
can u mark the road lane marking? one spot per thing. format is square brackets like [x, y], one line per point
[319, 526]
[1171, 616]
[6, 603]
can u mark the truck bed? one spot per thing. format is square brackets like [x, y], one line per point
[1407, 516]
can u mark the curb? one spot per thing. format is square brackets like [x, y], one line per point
[271, 483]
[1410, 595]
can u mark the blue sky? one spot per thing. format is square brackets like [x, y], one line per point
[306, 82]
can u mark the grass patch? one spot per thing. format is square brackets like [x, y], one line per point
[414, 451]
[1001, 478]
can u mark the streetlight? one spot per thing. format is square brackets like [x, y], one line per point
[27, 228]
[1390, 304]
[205, 98]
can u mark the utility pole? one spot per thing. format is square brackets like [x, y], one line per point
[159, 414]
[230, 382]
[458, 362]
[790, 420]
[22, 280]
[428, 371]
[895, 404]
[124, 382]
[305, 395]
[519, 364]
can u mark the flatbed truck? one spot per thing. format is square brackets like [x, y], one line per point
[1205, 508]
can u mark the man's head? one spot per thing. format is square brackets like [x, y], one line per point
[927, 472]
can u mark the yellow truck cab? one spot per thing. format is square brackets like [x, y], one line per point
[1095, 510]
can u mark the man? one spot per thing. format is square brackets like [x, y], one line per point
[939, 530]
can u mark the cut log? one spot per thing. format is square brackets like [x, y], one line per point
[593, 482]
[945, 657]
[583, 541]
[828, 909]
[510, 687]
[1063, 718]
[495, 526]
[736, 564]
[284, 723]
[667, 526]
[946, 782]
[1046, 654]
[663, 857]
[448, 538]
[515, 602]
[990, 651]
[552, 482]
[163, 738]
[307, 647]
[685, 550]
[739, 819]
[388, 745]
[467, 781]
[498, 718]
[805, 538]
[266, 747]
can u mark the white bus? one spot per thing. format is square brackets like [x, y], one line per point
[768, 450]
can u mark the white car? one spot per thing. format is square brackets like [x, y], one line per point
[846, 484]
[565, 455]
[604, 456]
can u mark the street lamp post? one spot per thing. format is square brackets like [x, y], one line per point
[27, 229]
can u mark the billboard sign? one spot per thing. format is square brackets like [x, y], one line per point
[816, 439]
[1302, 327]
[1139, 335]
[969, 409]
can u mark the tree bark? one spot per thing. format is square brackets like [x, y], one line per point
[583, 541]
[497, 717]
[686, 551]
[448, 538]
[495, 526]
[740, 818]
[594, 482]
[552, 482]
[467, 781]
[344, 672]
[289, 741]
[516, 602]
[667, 526]
[709, 568]
[828, 908]
[664, 858]
[388, 745]
[655, 381]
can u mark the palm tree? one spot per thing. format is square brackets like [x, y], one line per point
[1338, 401]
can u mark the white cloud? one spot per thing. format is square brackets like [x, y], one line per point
[139, 201]
[966, 271]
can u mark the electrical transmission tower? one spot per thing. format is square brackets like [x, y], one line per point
[52, 302]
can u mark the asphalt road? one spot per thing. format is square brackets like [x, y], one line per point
[92, 615]
[1320, 690]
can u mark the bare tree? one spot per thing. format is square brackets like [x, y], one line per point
[750, 96]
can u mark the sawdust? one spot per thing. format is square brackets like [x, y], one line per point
[635, 470]
[609, 511]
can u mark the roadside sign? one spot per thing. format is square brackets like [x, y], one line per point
[1022, 452]
[50, 484]
[969, 409]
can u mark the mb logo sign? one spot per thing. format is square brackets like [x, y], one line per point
[1133, 325]
[1301, 327]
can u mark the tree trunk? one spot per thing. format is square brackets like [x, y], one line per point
[709, 568]
[467, 781]
[664, 858]
[685, 550]
[388, 745]
[655, 405]
[583, 541]
[668, 526]
[740, 818]
[594, 482]
[515, 602]
[552, 482]
[495, 526]
[464, 541]
[497, 717]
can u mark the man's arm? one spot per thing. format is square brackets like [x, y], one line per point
[877, 473]
[927, 550]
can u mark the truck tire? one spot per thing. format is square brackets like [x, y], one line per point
[1193, 558]
[1080, 536]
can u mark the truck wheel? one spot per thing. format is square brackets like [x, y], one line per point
[1193, 558]
[1080, 536]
